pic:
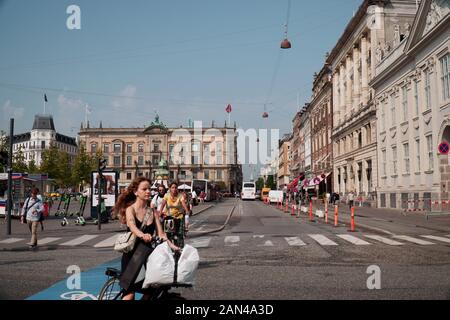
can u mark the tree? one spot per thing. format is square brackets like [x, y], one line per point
[32, 167]
[19, 164]
[63, 177]
[260, 183]
[82, 167]
[271, 183]
[49, 162]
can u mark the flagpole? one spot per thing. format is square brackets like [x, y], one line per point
[85, 115]
[44, 106]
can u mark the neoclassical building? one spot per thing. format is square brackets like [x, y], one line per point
[353, 60]
[412, 86]
[42, 135]
[321, 118]
[192, 152]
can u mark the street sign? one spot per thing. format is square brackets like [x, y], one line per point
[444, 147]
[3, 176]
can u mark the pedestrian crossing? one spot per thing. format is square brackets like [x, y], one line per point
[257, 240]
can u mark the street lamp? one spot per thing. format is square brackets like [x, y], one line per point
[149, 163]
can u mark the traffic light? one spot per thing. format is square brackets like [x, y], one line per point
[4, 158]
[101, 165]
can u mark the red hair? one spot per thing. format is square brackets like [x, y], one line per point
[127, 198]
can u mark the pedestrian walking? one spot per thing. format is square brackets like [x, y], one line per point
[351, 199]
[31, 213]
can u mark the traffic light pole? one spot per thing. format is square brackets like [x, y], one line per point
[99, 204]
[10, 164]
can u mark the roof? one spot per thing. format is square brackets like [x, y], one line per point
[43, 122]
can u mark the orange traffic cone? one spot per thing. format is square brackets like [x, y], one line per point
[336, 215]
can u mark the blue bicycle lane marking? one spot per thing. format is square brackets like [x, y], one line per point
[92, 281]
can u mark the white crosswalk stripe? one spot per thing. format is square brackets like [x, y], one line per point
[322, 240]
[414, 240]
[200, 242]
[268, 243]
[232, 241]
[107, 242]
[353, 239]
[447, 240]
[47, 240]
[11, 240]
[79, 240]
[294, 241]
[384, 240]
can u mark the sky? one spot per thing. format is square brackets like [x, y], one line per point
[181, 59]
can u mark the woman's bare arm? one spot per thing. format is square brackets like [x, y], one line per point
[131, 223]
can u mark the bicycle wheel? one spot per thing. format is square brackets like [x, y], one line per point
[111, 290]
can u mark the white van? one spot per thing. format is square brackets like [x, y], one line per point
[248, 191]
[275, 196]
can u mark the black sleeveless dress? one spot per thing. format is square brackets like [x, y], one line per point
[131, 264]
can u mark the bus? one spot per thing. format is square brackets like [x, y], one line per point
[248, 191]
[200, 185]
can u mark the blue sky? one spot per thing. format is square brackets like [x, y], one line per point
[185, 59]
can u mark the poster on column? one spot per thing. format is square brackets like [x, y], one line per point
[109, 188]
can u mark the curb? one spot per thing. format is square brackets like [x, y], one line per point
[200, 233]
[203, 209]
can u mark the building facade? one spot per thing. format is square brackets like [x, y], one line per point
[284, 162]
[192, 153]
[42, 135]
[373, 28]
[321, 118]
[412, 87]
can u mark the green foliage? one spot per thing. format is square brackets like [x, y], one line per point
[271, 183]
[82, 167]
[49, 162]
[259, 183]
[32, 167]
[19, 164]
[221, 185]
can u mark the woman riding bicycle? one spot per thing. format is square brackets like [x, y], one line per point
[132, 209]
[176, 206]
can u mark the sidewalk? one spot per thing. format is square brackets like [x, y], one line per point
[389, 220]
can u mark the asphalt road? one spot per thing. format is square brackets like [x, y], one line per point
[262, 253]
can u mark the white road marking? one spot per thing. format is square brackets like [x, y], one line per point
[437, 238]
[414, 240]
[268, 243]
[79, 240]
[353, 239]
[200, 242]
[47, 240]
[232, 241]
[107, 242]
[258, 236]
[295, 241]
[321, 239]
[384, 240]
[11, 240]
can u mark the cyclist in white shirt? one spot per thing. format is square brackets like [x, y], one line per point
[157, 202]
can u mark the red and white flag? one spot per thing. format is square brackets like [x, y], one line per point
[228, 109]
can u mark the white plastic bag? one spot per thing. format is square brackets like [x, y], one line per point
[187, 265]
[160, 267]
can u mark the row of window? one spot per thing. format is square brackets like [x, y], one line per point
[216, 175]
[117, 147]
[406, 157]
[427, 95]
[29, 145]
[354, 141]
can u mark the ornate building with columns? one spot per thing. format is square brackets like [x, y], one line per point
[412, 86]
[353, 61]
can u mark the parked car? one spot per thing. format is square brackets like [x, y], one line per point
[275, 196]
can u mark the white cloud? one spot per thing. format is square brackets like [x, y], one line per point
[10, 111]
[69, 115]
[128, 103]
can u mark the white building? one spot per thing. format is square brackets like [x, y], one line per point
[375, 27]
[42, 135]
[413, 110]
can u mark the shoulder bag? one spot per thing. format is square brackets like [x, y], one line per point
[126, 241]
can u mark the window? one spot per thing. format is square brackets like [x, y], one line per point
[141, 160]
[427, 90]
[116, 161]
[430, 152]
[405, 103]
[406, 157]
[116, 147]
[42, 145]
[394, 160]
[195, 155]
[171, 175]
[156, 147]
[206, 173]
[416, 97]
[171, 156]
[383, 163]
[129, 176]
[383, 117]
[129, 161]
[418, 155]
[140, 147]
[93, 147]
[219, 174]
[155, 160]
[106, 148]
[445, 76]
[129, 148]
[359, 139]
[392, 110]
[206, 154]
